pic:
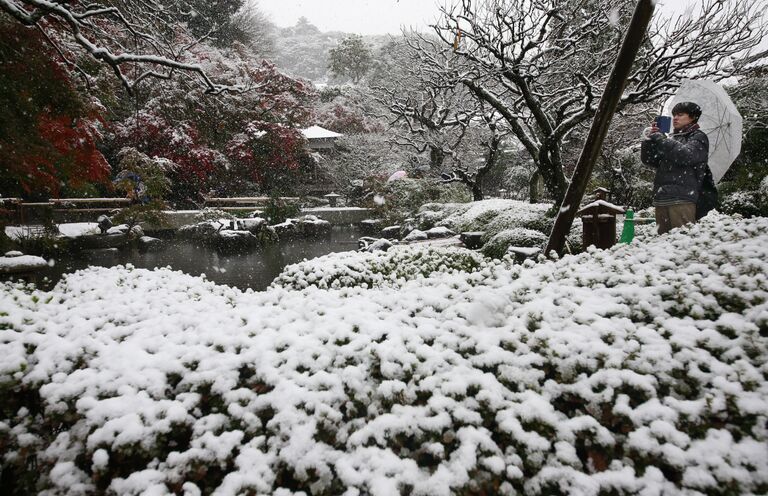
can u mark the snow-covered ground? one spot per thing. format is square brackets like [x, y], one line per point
[639, 370]
[71, 230]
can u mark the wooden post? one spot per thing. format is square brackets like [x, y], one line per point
[602, 120]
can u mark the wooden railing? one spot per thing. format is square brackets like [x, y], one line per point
[244, 202]
[22, 212]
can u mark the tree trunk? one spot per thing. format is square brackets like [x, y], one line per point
[436, 157]
[477, 191]
[534, 195]
[554, 179]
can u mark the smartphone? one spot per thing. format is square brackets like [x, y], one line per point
[664, 123]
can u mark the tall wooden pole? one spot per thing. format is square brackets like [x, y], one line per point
[605, 109]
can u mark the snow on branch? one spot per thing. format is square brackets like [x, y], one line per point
[542, 64]
[157, 37]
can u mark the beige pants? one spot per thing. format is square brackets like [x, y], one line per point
[673, 216]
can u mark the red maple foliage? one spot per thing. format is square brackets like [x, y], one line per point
[233, 143]
[48, 131]
[266, 152]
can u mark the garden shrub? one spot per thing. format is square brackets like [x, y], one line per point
[493, 217]
[278, 210]
[498, 244]
[746, 203]
[379, 268]
[635, 370]
[212, 214]
[396, 200]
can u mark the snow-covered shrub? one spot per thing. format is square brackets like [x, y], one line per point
[762, 193]
[393, 201]
[497, 245]
[212, 214]
[631, 371]
[746, 203]
[495, 218]
[278, 210]
[35, 241]
[378, 268]
[488, 215]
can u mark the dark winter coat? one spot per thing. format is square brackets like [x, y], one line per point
[681, 165]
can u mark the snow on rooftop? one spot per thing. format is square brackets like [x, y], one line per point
[603, 203]
[317, 132]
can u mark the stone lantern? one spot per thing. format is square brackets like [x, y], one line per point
[599, 221]
[332, 199]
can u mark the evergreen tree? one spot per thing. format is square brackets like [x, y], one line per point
[351, 58]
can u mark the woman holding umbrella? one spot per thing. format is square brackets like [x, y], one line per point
[681, 167]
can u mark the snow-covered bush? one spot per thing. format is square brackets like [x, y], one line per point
[378, 268]
[212, 214]
[763, 192]
[495, 218]
[487, 215]
[396, 200]
[746, 203]
[497, 245]
[632, 371]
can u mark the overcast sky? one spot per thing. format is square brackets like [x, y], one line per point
[353, 16]
[374, 16]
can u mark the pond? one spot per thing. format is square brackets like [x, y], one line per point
[255, 269]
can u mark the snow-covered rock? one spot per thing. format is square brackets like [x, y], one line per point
[415, 235]
[113, 239]
[498, 245]
[148, 243]
[306, 226]
[17, 262]
[391, 232]
[381, 244]
[439, 232]
[252, 224]
[220, 235]
[370, 226]
[135, 232]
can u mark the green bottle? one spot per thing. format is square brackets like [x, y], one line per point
[628, 233]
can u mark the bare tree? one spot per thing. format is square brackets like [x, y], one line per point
[541, 64]
[751, 96]
[472, 176]
[138, 39]
[431, 111]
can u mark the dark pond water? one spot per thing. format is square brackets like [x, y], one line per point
[254, 270]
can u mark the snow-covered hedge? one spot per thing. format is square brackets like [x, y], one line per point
[501, 220]
[639, 370]
[498, 244]
[479, 216]
[747, 203]
[379, 268]
[212, 214]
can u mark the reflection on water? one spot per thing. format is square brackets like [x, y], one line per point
[254, 270]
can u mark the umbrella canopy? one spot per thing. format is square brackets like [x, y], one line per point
[397, 175]
[719, 120]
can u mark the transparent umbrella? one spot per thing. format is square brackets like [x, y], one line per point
[720, 120]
